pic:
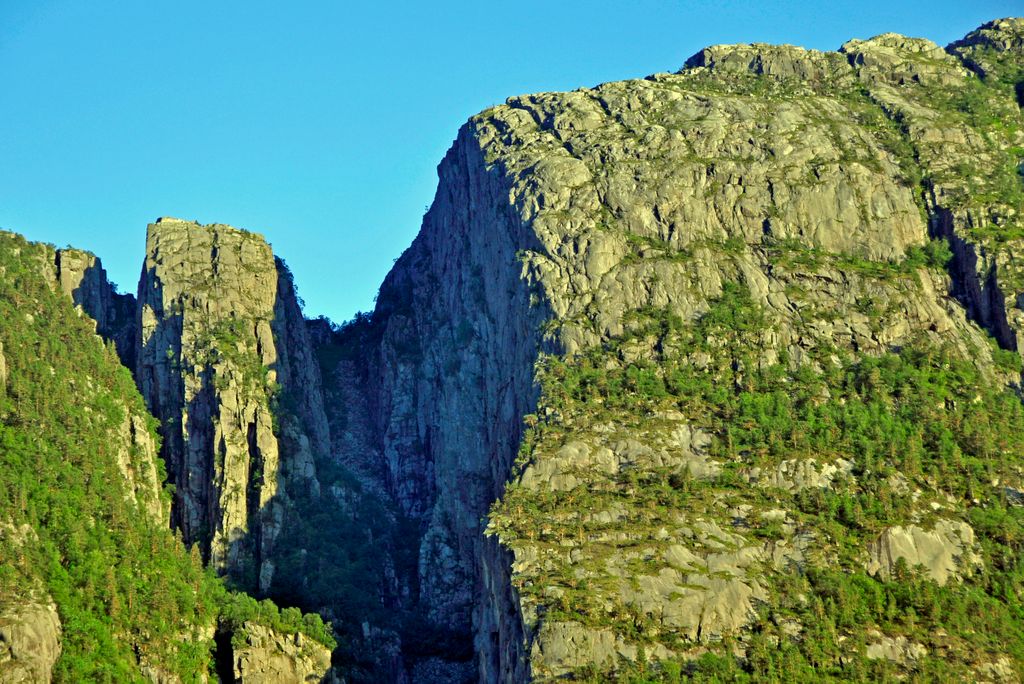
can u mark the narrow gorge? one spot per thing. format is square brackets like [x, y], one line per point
[714, 374]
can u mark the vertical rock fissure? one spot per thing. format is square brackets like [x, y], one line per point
[981, 297]
[254, 490]
[224, 656]
[202, 511]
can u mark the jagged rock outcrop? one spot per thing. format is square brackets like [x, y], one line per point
[81, 276]
[84, 531]
[993, 49]
[225, 364]
[968, 159]
[30, 633]
[899, 650]
[263, 656]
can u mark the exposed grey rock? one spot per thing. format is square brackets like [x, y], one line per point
[1000, 670]
[221, 336]
[565, 646]
[992, 47]
[441, 670]
[898, 650]
[892, 59]
[267, 657]
[675, 445]
[449, 373]
[557, 216]
[81, 276]
[700, 604]
[653, 194]
[137, 460]
[946, 551]
[779, 61]
[794, 475]
[30, 634]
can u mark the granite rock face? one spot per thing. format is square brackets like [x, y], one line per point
[84, 522]
[446, 369]
[30, 634]
[221, 342]
[898, 650]
[945, 552]
[267, 657]
[514, 439]
[812, 180]
[993, 49]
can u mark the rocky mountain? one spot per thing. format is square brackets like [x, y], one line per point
[690, 332]
[714, 374]
[93, 584]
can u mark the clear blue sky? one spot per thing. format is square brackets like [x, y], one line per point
[320, 124]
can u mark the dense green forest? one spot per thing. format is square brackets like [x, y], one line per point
[129, 594]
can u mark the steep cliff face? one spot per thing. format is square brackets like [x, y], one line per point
[765, 211]
[225, 364]
[93, 585]
[81, 276]
[29, 641]
[658, 255]
[715, 372]
[425, 407]
[963, 127]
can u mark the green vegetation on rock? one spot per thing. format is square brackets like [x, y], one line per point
[910, 438]
[765, 316]
[75, 438]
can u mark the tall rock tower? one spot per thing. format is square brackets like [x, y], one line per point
[224, 362]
